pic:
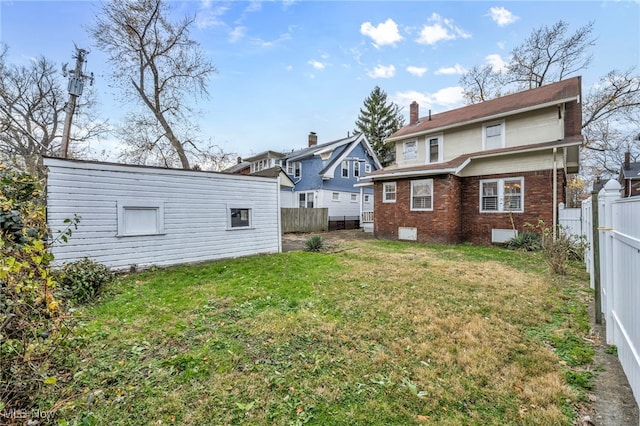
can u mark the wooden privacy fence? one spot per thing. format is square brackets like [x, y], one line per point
[619, 273]
[304, 219]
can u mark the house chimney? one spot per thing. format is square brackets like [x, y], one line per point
[627, 160]
[313, 139]
[429, 115]
[239, 160]
[413, 113]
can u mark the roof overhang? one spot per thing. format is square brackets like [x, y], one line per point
[483, 119]
[455, 170]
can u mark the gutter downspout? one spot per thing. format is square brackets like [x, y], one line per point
[555, 192]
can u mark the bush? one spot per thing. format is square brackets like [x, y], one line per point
[315, 243]
[32, 321]
[565, 247]
[526, 241]
[81, 281]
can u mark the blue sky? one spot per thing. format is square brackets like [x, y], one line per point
[286, 68]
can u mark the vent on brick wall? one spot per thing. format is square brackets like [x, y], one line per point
[502, 235]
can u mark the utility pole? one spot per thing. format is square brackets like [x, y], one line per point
[76, 84]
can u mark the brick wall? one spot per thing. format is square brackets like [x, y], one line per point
[538, 204]
[456, 217]
[442, 225]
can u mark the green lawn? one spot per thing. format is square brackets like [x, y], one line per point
[375, 332]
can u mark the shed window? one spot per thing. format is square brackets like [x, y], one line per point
[137, 217]
[239, 217]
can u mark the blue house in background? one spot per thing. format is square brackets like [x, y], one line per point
[324, 175]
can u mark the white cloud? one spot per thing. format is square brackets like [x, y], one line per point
[502, 16]
[456, 69]
[254, 6]
[267, 44]
[289, 68]
[316, 64]
[382, 71]
[440, 29]
[501, 45]
[447, 98]
[237, 34]
[417, 71]
[384, 34]
[496, 62]
[210, 17]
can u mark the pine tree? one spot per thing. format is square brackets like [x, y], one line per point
[378, 119]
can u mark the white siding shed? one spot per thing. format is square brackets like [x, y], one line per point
[144, 216]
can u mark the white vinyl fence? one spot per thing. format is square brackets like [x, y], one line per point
[571, 220]
[619, 235]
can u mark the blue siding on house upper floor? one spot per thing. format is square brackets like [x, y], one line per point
[312, 166]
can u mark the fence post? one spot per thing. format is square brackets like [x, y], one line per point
[608, 195]
[595, 257]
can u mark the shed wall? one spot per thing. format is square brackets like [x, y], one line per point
[195, 204]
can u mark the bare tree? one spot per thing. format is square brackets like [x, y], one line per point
[157, 63]
[481, 83]
[546, 56]
[549, 55]
[611, 108]
[32, 112]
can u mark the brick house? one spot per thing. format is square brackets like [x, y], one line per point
[481, 172]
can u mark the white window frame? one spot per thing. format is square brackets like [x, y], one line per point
[294, 168]
[410, 154]
[500, 203]
[386, 193]
[344, 167]
[131, 205]
[335, 196]
[231, 207]
[428, 182]
[428, 139]
[367, 168]
[354, 198]
[503, 130]
[356, 169]
[306, 200]
[367, 198]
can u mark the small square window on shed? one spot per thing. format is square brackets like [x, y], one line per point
[137, 217]
[239, 217]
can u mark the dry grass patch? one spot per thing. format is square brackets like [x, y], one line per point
[379, 333]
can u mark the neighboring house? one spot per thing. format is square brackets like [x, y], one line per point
[137, 216]
[481, 172]
[324, 175]
[630, 177]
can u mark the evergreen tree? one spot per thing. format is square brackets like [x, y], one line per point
[378, 119]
